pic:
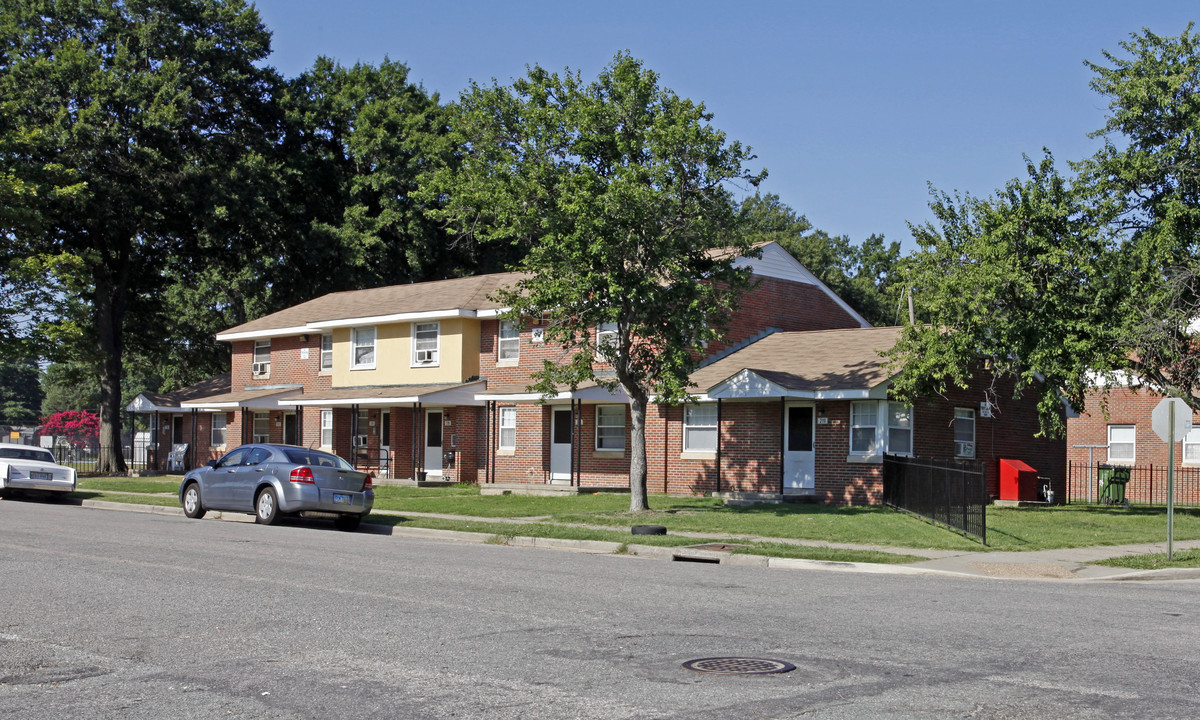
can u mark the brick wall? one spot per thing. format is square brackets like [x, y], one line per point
[287, 365]
[1125, 406]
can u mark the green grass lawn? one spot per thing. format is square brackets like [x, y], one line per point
[1008, 528]
[1155, 561]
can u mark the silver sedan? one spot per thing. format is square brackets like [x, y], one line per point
[271, 481]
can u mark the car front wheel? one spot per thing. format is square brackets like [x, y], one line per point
[266, 507]
[191, 502]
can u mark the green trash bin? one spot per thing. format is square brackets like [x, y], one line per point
[1113, 479]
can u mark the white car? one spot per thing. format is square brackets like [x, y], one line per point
[31, 468]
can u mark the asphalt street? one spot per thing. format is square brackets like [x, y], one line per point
[128, 615]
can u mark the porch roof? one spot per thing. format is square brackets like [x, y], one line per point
[518, 392]
[822, 364]
[148, 402]
[249, 398]
[392, 395]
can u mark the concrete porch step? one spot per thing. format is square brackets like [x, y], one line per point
[754, 498]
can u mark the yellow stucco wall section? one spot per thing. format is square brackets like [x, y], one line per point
[458, 353]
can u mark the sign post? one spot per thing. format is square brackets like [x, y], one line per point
[1172, 421]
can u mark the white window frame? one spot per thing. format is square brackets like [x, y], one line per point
[219, 421]
[695, 424]
[506, 438]
[1131, 442]
[606, 333]
[327, 428]
[363, 426]
[432, 357]
[358, 340]
[262, 356]
[960, 445]
[326, 351]
[508, 342]
[1191, 442]
[255, 435]
[868, 410]
[893, 428]
[614, 433]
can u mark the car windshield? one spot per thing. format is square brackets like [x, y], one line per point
[316, 458]
[26, 454]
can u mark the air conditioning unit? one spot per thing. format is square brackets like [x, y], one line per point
[426, 357]
[964, 449]
[260, 368]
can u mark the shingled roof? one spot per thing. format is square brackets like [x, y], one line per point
[469, 293]
[152, 402]
[813, 361]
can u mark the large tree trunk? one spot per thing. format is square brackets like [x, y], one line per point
[108, 307]
[638, 502]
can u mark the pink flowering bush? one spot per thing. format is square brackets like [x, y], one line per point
[80, 427]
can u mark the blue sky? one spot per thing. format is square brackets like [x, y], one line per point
[852, 107]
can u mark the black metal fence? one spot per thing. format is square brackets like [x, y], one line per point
[91, 460]
[1147, 484]
[952, 493]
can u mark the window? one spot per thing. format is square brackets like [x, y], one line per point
[900, 434]
[1191, 446]
[1122, 444]
[863, 419]
[964, 433]
[425, 343]
[218, 429]
[606, 340]
[262, 357]
[510, 341]
[362, 348]
[362, 425]
[610, 427]
[326, 428]
[262, 427]
[508, 428]
[327, 351]
[700, 428]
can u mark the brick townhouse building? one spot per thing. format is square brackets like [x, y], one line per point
[428, 381]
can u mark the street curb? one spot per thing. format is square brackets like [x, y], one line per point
[681, 553]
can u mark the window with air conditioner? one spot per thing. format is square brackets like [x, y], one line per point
[262, 427]
[425, 343]
[964, 433]
[262, 357]
[900, 429]
[362, 348]
[606, 341]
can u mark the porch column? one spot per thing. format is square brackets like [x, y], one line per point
[718, 443]
[189, 458]
[782, 440]
[299, 424]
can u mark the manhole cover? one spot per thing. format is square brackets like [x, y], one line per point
[738, 666]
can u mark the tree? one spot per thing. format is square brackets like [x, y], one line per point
[862, 275]
[79, 427]
[129, 119]
[20, 393]
[617, 190]
[69, 386]
[1057, 280]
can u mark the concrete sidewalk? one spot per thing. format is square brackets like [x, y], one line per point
[1064, 564]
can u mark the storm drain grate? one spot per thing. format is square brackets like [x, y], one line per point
[738, 666]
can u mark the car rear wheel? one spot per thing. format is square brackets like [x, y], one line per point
[191, 502]
[266, 507]
[348, 523]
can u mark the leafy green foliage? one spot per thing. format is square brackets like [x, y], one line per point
[20, 393]
[1053, 280]
[862, 275]
[615, 192]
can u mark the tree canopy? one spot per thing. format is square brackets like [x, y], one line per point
[617, 194]
[1064, 282]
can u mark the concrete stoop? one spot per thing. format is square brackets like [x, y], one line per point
[754, 498]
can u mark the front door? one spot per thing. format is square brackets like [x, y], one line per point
[385, 443]
[560, 446]
[289, 429]
[799, 458]
[433, 444]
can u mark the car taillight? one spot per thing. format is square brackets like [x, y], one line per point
[302, 475]
[369, 483]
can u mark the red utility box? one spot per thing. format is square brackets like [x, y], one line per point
[1018, 481]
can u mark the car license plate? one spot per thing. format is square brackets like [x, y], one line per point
[36, 475]
[341, 499]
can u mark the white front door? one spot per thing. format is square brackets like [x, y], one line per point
[560, 445]
[799, 457]
[385, 443]
[433, 444]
